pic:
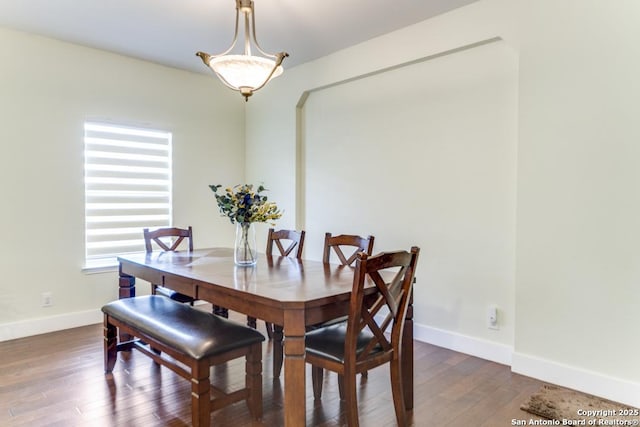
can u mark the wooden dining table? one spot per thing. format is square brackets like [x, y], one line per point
[284, 291]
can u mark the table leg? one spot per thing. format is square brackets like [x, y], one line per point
[127, 286]
[126, 289]
[294, 369]
[407, 357]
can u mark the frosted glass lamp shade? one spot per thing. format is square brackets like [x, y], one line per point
[243, 72]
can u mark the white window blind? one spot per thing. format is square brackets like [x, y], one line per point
[127, 188]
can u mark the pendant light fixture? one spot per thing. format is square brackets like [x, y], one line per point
[245, 73]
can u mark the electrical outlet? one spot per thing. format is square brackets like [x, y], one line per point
[492, 317]
[47, 299]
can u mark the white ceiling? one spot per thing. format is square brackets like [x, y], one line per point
[171, 31]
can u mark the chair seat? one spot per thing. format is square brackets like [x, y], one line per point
[170, 293]
[191, 331]
[328, 342]
[327, 323]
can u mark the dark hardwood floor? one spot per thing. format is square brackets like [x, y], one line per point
[57, 379]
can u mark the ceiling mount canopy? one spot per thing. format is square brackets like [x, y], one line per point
[245, 73]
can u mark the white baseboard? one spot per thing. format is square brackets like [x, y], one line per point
[26, 328]
[616, 389]
[484, 349]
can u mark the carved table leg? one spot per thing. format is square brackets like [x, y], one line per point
[220, 311]
[294, 369]
[127, 289]
[127, 286]
[251, 322]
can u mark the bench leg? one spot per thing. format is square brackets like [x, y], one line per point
[110, 345]
[253, 380]
[200, 395]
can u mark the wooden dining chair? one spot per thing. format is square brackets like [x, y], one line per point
[294, 242]
[346, 242]
[368, 338]
[168, 239]
[292, 238]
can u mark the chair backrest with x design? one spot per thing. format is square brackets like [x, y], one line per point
[343, 241]
[294, 238]
[393, 275]
[178, 233]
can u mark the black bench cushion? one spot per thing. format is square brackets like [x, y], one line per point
[191, 331]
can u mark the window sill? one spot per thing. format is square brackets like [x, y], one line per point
[97, 269]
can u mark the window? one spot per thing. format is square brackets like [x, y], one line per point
[127, 175]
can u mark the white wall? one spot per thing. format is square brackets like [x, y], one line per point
[47, 90]
[578, 270]
[425, 155]
[575, 310]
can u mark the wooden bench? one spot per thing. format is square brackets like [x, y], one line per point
[194, 338]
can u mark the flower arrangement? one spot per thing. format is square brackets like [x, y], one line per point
[244, 205]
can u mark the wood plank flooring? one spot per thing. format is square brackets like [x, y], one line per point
[57, 379]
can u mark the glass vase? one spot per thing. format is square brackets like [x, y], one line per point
[245, 253]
